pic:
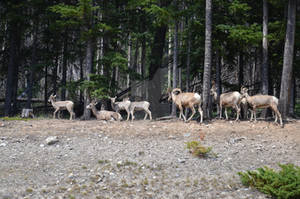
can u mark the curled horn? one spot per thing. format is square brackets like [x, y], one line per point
[177, 89]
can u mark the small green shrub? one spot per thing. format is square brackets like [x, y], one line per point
[284, 184]
[197, 149]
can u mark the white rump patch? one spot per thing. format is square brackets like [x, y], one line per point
[197, 96]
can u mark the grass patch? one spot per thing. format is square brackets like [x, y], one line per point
[197, 149]
[284, 184]
[15, 118]
[29, 190]
[103, 161]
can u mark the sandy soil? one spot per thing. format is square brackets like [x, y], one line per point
[140, 159]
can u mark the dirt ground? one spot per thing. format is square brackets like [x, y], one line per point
[140, 159]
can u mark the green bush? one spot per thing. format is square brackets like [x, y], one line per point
[197, 149]
[282, 184]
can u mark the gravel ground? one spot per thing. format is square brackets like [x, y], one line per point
[140, 159]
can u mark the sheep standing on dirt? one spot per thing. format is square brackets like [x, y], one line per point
[103, 114]
[118, 106]
[230, 99]
[61, 105]
[140, 106]
[262, 101]
[186, 100]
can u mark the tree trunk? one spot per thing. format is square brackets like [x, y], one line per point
[169, 58]
[292, 96]
[241, 69]
[175, 52]
[286, 78]
[12, 71]
[188, 63]
[156, 55]
[218, 78]
[64, 67]
[207, 59]
[32, 66]
[265, 65]
[129, 60]
[88, 71]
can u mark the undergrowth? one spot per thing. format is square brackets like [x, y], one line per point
[284, 184]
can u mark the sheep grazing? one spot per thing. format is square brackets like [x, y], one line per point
[230, 99]
[118, 106]
[262, 101]
[61, 105]
[103, 114]
[186, 100]
[140, 106]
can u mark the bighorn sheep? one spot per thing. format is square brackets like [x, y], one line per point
[230, 99]
[103, 114]
[262, 101]
[61, 105]
[140, 106]
[118, 106]
[186, 100]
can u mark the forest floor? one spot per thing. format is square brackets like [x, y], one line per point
[140, 159]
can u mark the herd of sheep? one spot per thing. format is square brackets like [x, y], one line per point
[182, 100]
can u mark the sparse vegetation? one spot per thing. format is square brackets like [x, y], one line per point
[284, 184]
[15, 118]
[197, 149]
[103, 161]
[29, 190]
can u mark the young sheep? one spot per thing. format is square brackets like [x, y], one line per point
[61, 105]
[262, 101]
[186, 100]
[103, 114]
[140, 106]
[230, 99]
[118, 106]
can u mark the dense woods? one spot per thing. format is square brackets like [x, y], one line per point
[85, 49]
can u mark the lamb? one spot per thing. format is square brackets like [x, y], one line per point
[118, 106]
[186, 100]
[61, 105]
[140, 106]
[262, 101]
[103, 114]
[230, 99]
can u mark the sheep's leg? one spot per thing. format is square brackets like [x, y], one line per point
[148, 113]
[220, 111]
[201, 114]
[55, 113]
[226, 113]
[254, 113]
[274, 107]
[238, 111]
[72, 115]
[132, 115]
[193, 113]
[181, 113]
[128, 113]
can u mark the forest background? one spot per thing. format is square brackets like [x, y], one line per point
[87, 49]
